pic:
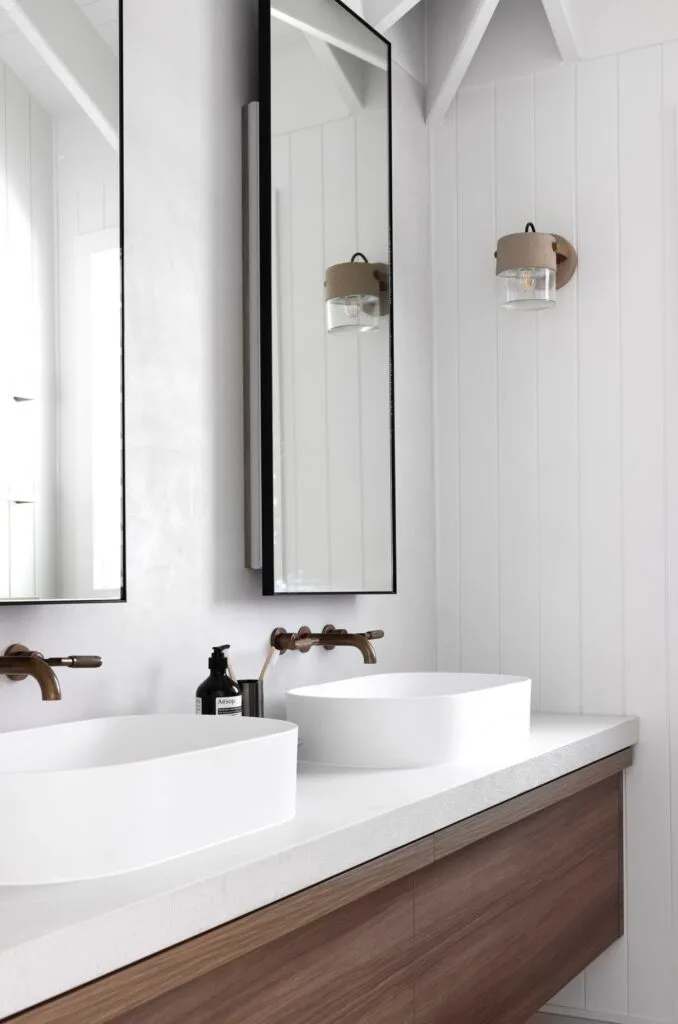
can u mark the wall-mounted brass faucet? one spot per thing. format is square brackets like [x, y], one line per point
[18, 662]
[330, 638]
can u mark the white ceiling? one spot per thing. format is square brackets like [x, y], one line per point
[28, 65]
[284, 36]
[472, 41]
[104, 16]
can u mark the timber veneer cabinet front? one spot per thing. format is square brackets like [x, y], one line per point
[480, 923]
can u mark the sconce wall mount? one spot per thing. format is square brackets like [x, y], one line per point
[357, 294]
[531, 266]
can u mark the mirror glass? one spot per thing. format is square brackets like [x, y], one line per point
[329, 471]
[61, 479]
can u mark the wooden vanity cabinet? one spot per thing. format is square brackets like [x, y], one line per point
[481, 923]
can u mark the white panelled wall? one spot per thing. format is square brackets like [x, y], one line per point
[329, 198]
[557, 442]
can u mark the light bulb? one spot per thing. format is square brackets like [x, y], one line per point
[352, 307]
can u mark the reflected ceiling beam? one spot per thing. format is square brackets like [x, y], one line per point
[557, 12]
[345, 70]
[408, 40]
[332, 25]
[356, 5]
[384, 14]
[455, 31]
[75, 52]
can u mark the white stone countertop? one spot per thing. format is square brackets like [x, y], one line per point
[56, 937]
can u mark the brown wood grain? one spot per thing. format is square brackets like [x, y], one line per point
[104, 1000]
[345, 968]
[502, 925]
[244, 965]
[454, 838]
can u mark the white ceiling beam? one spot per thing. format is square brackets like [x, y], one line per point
[356, 5]
[408, 41]
[384, 14]
[75, 52]
[455, 31]
[328, 22]
[345, 70]
[557, 12]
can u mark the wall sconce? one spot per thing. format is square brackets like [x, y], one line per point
[531, 266]
[356, 295]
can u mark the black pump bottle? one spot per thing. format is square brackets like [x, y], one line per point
[218, 694]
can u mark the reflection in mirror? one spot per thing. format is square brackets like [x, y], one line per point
[61, 490]
[331, 352]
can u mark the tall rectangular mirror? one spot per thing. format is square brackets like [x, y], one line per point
[326, 300]
[61, 452]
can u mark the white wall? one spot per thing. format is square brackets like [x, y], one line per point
[186, 79]
[556, 442]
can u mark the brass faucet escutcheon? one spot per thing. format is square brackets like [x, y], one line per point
[19, 662]
[330, 638]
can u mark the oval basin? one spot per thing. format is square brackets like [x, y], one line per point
[110, 795]
[411, 719]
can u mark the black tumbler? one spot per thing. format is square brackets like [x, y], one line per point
[252, 698]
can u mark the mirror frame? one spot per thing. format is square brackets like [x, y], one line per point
[122, 599]
[266, 313]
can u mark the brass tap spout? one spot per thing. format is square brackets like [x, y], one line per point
[330, 638]
[18, 662]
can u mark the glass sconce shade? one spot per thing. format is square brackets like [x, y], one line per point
[531, 266]
[527, 288]
[356, 295]
[353, 313]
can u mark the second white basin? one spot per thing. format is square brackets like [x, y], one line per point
[411, 719]
[102, 797]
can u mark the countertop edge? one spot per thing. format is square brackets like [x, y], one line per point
[68, 958]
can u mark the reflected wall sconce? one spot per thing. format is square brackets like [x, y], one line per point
[531, 267]
[356, 295]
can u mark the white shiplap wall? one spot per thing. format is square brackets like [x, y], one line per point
[557, 443]
[328, 178]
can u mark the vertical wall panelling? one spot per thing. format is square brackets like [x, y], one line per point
[372, 222]
[478, 516]
[558, 413]
[445, 303]
[517, 397]
[286, 554]
[598, 145]
[644, 528]
[5, 396]
[19, 270]
[600, 437]
[343, 367]
[670, 190]
[558, 403]
[328, 171]
[86, 172]
[43, 326]
[307, 254]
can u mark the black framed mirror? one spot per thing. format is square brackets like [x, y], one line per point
[326, 302]
[61, 353]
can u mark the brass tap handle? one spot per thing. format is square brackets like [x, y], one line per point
[76, 661]
[374, 634]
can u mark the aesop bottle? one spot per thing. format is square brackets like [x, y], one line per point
[219, 694]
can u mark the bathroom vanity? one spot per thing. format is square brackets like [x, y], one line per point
[428, 895]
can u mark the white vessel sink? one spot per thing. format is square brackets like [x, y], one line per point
[102, 797]
[411, 719]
